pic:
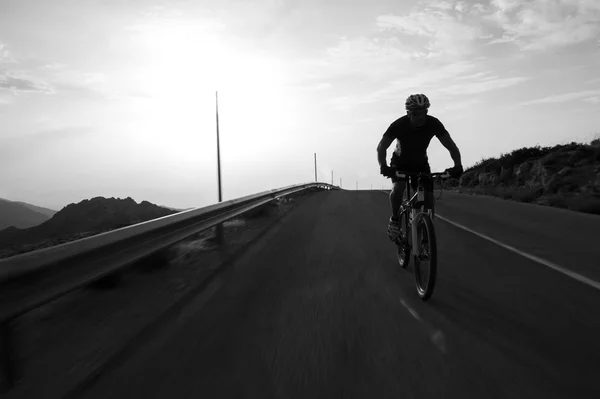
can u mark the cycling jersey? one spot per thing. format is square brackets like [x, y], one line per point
[412, 142]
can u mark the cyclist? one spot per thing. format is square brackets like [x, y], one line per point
[413, 133]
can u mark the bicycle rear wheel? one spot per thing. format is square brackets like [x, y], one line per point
[425, 256]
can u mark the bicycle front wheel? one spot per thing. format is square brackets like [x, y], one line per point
[403, 242]
[425, 256]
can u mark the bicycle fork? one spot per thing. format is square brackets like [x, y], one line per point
[413, 231]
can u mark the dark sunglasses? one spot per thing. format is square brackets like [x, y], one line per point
[417, 113]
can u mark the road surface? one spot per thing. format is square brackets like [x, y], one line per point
[319, 309]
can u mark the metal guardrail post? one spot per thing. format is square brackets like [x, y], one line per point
[219, 234]
[7, 358]
[219, 231]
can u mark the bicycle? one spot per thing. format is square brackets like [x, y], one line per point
[415, 212]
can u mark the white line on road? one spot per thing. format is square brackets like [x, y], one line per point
[569, 273]
[436, 336]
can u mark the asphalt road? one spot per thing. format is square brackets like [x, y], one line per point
[319, 309]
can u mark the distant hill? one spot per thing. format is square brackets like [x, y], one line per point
[564, 176]
[22, 215]
[42, 210]
[75, 221]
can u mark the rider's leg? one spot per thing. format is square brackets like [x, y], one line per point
[396, 197]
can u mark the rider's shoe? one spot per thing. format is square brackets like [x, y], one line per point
[394, 228]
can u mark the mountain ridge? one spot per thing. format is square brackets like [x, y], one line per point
[77, 220]
[21, 214]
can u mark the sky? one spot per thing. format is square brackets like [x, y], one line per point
[116, 98]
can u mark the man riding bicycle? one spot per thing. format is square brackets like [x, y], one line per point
[413, 133]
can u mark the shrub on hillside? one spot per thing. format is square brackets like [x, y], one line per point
[584, 203]
[521, 155]
[481, 164]
[556, 200]
[525, 194]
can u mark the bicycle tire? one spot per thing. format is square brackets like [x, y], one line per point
[424, 223]
[403, 252]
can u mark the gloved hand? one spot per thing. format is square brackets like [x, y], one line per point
[455, 172]
[387, 171]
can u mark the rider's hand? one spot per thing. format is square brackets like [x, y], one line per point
[455, 172]
[387, 171]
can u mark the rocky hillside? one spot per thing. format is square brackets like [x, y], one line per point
[565, 176]
[76, 221]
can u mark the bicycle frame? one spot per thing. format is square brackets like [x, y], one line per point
[416, 198]
[414, 211]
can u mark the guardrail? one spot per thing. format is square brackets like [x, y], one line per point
[51, 273]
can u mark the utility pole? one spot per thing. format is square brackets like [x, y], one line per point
[332, 177]
[220, 225]
[357, 185]
[340, 182]
[315, 166]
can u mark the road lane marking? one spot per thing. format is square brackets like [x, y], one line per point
[576, 276]
[566, 272]
[435, 335]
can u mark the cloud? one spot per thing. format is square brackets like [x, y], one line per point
[592, 100]
[444, 84]
[476, 86]
[460, 6]
[434, 33]
[435, 48]
[447, 30]
[94, 85]
[545, 24]
[54, 67]
[21, 83]
[371, 58]
[18, 82]
[5, 55]
[560, 98]
[463, 104]
[16, 147]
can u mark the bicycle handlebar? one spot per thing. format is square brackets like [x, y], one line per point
[402, 174]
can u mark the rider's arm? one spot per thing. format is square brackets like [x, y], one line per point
[382, 147]
[450, 145]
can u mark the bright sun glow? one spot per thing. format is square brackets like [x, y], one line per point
[186, 66]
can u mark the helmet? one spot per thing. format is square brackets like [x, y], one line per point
[417, 101]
